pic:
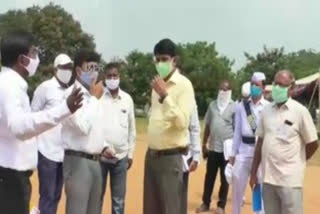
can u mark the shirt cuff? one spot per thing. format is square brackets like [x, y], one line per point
[130, 155]
[168, 103]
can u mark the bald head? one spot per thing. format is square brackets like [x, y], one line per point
[284, 78]
[225, 85]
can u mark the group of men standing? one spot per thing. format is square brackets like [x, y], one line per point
[80, 127]
[271, 143]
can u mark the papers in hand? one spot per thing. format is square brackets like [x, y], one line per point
[227, 148]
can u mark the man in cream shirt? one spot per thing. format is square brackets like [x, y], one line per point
[287, 139]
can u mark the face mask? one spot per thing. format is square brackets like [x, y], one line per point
[112, 84]
[64, 75]
[87, 77]
[255, 91]
[164, 69]
[279, 94]
[32, 66]
[224, 97]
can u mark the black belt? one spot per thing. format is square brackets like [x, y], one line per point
[248, 140]
[8, 171]
[82, 155]
[165, 152]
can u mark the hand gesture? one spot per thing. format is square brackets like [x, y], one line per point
[159, 86]
[74, 100]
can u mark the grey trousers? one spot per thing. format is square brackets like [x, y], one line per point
[163, 184]
[83, 185]
[282, 200]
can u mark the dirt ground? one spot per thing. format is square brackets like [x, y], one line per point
[135, 187]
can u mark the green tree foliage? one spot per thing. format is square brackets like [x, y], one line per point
[269, 61]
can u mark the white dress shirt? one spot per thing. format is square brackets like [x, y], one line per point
[83, 131]
[119, 126]
[19, 126]
[48, 95]
[194, 140]
[243, 128]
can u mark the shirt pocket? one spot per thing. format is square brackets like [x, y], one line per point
[286, 133]
[123, 118]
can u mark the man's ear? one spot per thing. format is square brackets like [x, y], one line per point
[22, 60]
[78, 71]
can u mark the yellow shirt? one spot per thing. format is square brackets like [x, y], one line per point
[169, 121]
[286, 131]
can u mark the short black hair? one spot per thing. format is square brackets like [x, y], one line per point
[14, 44]
[86, 55]
[165, 46]
[112, 65]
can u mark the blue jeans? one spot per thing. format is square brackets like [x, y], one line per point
[118, 181]
[51, 181]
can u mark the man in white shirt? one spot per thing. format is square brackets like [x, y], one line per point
[247, 117]
[120, 134]
[192, 159]
[48, 95]
[83, 137]
[18, 125]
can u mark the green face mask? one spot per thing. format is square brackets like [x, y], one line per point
[164, 69]
[279, 94]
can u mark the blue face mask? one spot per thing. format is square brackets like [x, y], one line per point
[86, 78]
[255, 91]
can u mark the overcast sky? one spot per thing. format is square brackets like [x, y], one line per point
[120, 26]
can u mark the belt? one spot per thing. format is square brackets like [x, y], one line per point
[248, 140]
[165, 152]
[8, 171]
[82, 155]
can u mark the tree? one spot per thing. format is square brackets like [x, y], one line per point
[201, 63]
[54, 28]
[269, 62]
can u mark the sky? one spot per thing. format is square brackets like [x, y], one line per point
[236, 26]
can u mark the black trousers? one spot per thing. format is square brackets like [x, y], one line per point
[15, 191]
[215, 162]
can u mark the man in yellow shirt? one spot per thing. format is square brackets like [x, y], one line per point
[171, 107]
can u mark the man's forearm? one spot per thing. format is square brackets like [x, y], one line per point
[311, 148]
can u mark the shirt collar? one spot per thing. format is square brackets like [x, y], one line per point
[108, 93]
[287, 104]
[262, 101]
[175, 77]
[22, 83]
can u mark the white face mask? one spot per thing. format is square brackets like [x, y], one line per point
[112, 84]
[224, 97]
[64, 75]
[32, 66]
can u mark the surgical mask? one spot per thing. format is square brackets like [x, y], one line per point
[279, 94]
[88, 77]
[164, 69]
[255, 91]
[64, 75]
[32, 66]
[112, 84]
